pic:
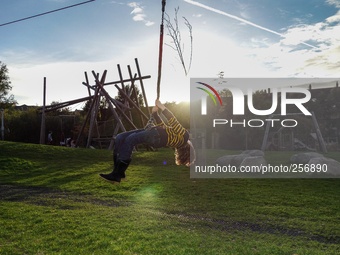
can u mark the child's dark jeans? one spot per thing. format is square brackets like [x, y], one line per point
[126, 141]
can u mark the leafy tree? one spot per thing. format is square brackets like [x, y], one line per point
[104, 113]
[326, 106]
[23, 126]
[135, 115]
[5, 86]
[60, 111]
[140, 99]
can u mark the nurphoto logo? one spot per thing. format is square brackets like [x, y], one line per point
[239, 104]
[255, 115]
[204, 99]
[238, 100]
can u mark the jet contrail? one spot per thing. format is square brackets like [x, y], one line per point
[242, 20]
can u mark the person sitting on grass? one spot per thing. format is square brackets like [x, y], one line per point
[49, 138]
[173, 136]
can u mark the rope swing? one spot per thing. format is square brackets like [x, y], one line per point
[160, 51]
[151, 120]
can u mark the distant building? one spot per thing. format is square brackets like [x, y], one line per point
[23, 107]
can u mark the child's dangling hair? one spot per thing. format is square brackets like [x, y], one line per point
[182, 154]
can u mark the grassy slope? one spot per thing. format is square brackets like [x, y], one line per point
[159, 209]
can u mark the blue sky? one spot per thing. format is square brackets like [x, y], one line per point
[243, 38]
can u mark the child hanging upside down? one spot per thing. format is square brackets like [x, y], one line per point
[173, 136]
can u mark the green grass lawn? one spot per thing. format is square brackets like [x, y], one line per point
[52, 201]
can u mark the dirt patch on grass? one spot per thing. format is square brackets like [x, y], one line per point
[49, 197]
[231, 226]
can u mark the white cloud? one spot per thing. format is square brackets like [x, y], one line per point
[136, 7]
[139, 17]
[334, 2]
[138, 13]
[149, 23]
[298, 20]
[133, 4]
[321, 33]
[137, 10]
[288, 57]
[334, 18]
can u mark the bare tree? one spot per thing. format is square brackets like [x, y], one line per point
[174, 33]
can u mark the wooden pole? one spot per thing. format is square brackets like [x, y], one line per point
[87, 117]
[203, 134]
[120, 124]
[120, 76]
[133, 104]
[96, 122]
[142, 86]
[114, 101]
[246, 138]
[265, 138]
[123, 89]
[111, 101]
[87, 81]
[42, 129]
[63, 104]
[61, 129]
[140, 78]
[94, 113]
[99, 85]
[319, 135]
[49, 108]
[2, 125]
[292, 140]
[135, 94]
[212, 140]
